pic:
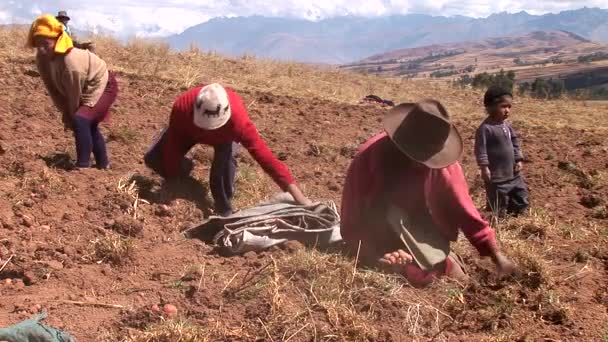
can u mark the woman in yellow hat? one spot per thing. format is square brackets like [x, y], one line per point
[79, 84]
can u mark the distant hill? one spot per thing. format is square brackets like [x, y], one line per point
[536, 48]
[347, 39]
[580, 62]
[535, 42]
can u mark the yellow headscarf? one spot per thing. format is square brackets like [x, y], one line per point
[48, 26]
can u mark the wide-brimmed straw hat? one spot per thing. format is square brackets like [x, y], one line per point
[423, 131]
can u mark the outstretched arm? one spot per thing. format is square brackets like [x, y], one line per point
[453, 208]
[270, 164]
[248, 136]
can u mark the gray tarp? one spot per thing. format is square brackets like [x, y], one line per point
[32, 330]
[270, 224]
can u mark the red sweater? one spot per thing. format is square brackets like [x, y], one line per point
[439, 195]
[183, 134]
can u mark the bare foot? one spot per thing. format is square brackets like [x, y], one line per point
[395, 260]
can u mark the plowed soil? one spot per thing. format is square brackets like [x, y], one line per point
[55, 221]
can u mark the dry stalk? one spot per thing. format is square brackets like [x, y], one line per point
[266, 329]
[583, 270]
[352, 280]
[200, 281]
[230, 282]
[6, 263]
[297, 332]
[248, 280]
[310, 314]
[412, 318]
[128, 186]
[100, 305]
[275, 286]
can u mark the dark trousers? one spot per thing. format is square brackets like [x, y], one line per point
[89, 139]
[510, 197]
[86, 128]
[221, 177]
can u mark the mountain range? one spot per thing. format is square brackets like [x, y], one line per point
[347, 39]
[536, 54]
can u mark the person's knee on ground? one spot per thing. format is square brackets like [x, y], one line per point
[221, 178]
[153, 158]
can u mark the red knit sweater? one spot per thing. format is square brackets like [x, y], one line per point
[183, 134]
[441, 196]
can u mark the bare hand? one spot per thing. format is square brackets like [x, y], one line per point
[519, 166]
[504, 266]
[399, 257]
[298, 196]
[305, 201]
[486, 175]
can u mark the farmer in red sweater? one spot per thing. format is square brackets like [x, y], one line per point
[213, 115]
[406, 198]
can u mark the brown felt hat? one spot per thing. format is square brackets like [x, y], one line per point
[62, 14]
[423, 131]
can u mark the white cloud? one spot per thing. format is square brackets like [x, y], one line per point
[156, 18]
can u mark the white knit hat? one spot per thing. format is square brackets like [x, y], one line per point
[212, 108]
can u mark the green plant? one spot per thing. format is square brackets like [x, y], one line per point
[178, 284]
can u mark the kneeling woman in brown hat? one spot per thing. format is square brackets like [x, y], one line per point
[79, 84]
[406, 198]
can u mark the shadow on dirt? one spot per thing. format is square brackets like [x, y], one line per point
[59, 160]
[186, 188]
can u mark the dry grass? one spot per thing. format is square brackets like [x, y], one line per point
[523, 239]
[127, 185]
[350, 299]
[186, 331]
[174, 331]
[299, 299]
[253, 185]
[151, 59]
[114, 249]
[45, 181]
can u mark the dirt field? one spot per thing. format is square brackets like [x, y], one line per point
[79, 254]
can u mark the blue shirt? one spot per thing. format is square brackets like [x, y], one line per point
[67, 29]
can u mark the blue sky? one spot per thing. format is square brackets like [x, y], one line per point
[157, 18]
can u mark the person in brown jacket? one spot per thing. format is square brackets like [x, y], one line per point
[79, 84]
